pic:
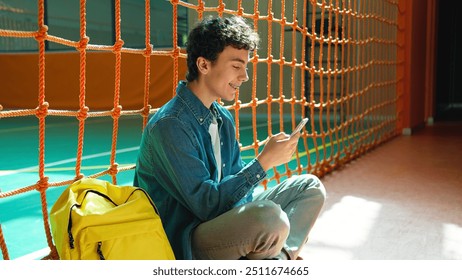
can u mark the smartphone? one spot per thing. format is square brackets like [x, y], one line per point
[299, 126]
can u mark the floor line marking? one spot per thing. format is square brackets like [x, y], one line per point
[33, 168]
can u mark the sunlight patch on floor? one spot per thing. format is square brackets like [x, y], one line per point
[343, 227]
[452, 240]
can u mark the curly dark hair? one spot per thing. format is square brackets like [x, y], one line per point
[210, 37]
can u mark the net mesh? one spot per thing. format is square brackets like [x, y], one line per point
[334, 61]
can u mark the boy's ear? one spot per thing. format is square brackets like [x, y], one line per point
[202, 65]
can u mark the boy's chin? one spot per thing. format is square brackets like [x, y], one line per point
[229, 98]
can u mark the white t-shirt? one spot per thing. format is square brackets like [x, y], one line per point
[213, 131]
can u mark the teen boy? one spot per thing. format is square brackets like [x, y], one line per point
[190, 163]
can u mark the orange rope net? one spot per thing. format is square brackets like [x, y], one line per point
[333, 61]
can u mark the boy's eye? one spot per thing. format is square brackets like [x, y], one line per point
[240, 67]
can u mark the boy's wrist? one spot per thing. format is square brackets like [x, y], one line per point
[263, 163]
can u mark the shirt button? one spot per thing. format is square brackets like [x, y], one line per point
[224, 164]
[258, 176]
[201, 119]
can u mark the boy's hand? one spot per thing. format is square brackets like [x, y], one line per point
[278, 150]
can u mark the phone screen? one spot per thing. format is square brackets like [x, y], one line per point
[299, 126]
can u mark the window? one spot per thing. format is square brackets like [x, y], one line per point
[20, 16]
[63, 20]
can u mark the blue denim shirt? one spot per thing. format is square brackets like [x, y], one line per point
[177, 166]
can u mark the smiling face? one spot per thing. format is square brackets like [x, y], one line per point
[221, 78]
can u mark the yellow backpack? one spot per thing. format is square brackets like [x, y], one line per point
[93, 219]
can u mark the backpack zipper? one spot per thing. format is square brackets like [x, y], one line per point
[69, 225]
[99, 251]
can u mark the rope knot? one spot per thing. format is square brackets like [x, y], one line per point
[201, 8]
[78, 177]
[237, 105]
[114, 169]
[282, 61]
[176, 52]
[221, 8]
[255, 58]
[42, 33]
[256, 15]
[148, 50]
[42, 110]
[294, 62]
[42, 184]
[281, 99]
[240, 12]
[118, 46]
[146, 110]
[115, 113]
[83, 113]
[83, 43]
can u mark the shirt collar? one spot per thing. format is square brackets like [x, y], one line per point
[203, 115]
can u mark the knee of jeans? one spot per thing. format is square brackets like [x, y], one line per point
[268, 215]
[315, 188]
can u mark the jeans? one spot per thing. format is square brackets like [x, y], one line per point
[276, 224]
